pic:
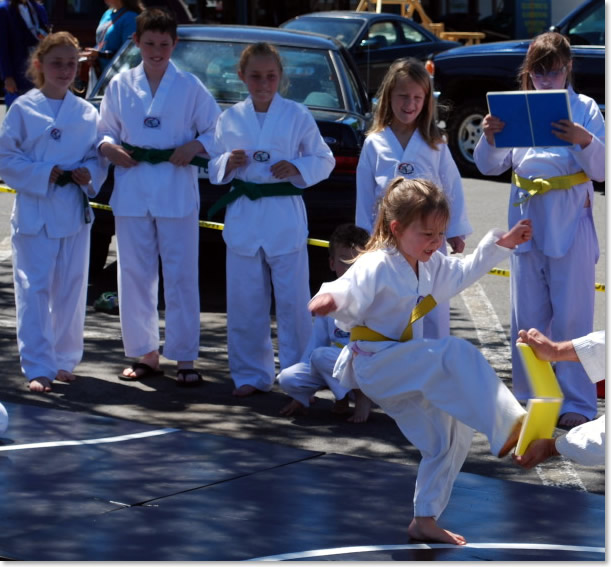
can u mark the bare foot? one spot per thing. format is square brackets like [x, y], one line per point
[40, 384]
[341, 407]
[151, 360]
[512, 440]
[571, 419]
[294, 408]
[244, 390]
[425, 528]
[362, 407]
[65, 376]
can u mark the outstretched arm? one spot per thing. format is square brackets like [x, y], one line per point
[518, 234]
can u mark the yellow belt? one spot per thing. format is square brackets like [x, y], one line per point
[339, 345]
[540, 186]
[366, 334]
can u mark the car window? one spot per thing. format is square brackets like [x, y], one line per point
[309, 76]
[384, 32]
[590, 29]
[343, 30]
[411, 34]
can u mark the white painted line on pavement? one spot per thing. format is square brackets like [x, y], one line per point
[116, 439]
[489, 331]
[5, 249]
[366, 548]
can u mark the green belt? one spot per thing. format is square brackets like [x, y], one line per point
[64, 178]
[253, 191]
[155, 156]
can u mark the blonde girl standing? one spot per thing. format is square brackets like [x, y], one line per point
[552, 277]
[48, 155]
[405, 141]
[272, 145]
[437, 390]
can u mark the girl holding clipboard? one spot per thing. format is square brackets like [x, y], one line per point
[552, 276]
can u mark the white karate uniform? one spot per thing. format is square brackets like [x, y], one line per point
[156, 207]
[435, 389]
[315, 370]
[552, 275]
[585, 444]
[266, 238]
[50, 238]
[382, 160]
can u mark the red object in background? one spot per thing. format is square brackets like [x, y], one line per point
[600, 389]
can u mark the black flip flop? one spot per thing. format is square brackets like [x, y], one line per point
[148, 372]
[184, 383]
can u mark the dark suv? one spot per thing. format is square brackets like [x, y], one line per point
[464, 75]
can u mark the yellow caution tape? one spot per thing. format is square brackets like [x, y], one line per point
[311, 241]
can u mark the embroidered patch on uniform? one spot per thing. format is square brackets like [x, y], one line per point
[261, 156]
[56, 133]
[152, 122]
[405, 168]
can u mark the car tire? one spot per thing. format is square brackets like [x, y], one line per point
[464, 128]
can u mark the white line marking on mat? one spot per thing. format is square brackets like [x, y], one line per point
[90, 441]
[366, 548]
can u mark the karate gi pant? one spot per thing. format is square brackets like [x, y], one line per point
[249, 299]
[140, 243]
[438, 391]
[303, 379]
[436, 324]
[50, 279]
[556, 296]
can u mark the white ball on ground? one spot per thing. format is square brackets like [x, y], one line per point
[3, 419]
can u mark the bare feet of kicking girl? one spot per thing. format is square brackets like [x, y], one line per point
[425, 528]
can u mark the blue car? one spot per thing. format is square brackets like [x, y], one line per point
[373, 39]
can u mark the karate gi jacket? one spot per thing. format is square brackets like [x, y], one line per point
[383, 158]
[277, 224]
[556, 214]
[380, 290]
[182, 110]
[32, 142]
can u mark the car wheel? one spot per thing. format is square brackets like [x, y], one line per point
[464, 128]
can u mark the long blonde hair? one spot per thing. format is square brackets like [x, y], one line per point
[57, 39]
[426, 123]
[405, 201]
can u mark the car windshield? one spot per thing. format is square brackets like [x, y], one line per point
[309, 75]
[341, 29]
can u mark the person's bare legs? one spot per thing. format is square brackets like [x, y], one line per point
[362, 407]
[150, 358]
[65, 376]
[426, 528]
[41, 384]
[294, 408]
